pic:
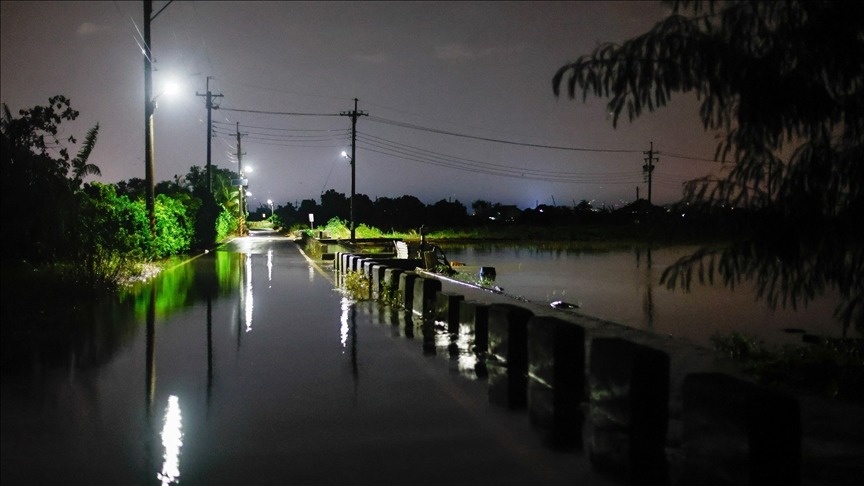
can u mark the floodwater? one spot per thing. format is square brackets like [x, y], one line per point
[623, 286]
[246, 366]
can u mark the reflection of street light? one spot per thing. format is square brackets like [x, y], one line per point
[351, 160]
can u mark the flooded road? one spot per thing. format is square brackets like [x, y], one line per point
[247, 366]
[624, 286]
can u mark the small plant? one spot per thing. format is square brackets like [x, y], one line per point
[739, 346]
[827, 367]
[389, 295]
[357, 286]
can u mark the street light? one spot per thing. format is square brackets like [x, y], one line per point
[270, 202]
[351, 160]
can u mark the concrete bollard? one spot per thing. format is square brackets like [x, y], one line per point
[367, 267]
[556, 379]
[377, 281]
[345, 266]
[406, 289]
[735, 432]
[508, 355]
[474, 319]
[629, 410]
[447, 309]
[424, 296]
[390, 283]
[355, 262]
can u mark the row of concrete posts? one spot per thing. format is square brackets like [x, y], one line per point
[606, 396]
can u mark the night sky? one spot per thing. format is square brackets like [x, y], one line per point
[458, 95]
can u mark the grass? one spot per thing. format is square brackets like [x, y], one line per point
[827, 367]
[586, 236]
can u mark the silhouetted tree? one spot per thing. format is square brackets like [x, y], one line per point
[39, 180]
[446, 214]
[480, 206]
[364, 209]
[307, 207]
[784, 82]
[333, 205]
[770, 75]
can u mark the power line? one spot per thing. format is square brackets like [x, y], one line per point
[487, 139]
[284, 113]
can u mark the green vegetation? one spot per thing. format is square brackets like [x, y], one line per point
[826, 367]
[357, 286]
[96, 236]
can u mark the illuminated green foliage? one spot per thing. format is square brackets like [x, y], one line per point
[357, 286]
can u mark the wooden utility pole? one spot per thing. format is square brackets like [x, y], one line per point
[648, 168]
[149, 106]
[210, 108]
[149, 109]
[353, 114]
[242, 186]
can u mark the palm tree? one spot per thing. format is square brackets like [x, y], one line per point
[80, 167]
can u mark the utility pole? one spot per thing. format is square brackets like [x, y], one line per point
[210, 109]
[149, 108]
[148, 120]
[648, 168]
[242, 186]
[353, 114]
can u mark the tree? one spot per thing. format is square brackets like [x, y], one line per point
[784, 82]
[80, 167]
[769, 74]
[446, 213]
[39, 180]
[334, 205]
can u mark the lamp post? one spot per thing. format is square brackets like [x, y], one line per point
[351, 161]
[270, 202]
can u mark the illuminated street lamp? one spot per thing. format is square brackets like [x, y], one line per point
[270, 202]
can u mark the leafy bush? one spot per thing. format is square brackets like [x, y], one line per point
[357, 286]
[826, 367]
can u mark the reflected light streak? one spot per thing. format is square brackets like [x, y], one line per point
[172, 440]
[270, 266]
[346, 309]
[311, 273]
[248, 304]
[467, 361]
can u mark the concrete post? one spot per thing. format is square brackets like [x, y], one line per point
[556, 379]
[629, 410]
[508, 355]
[424, 296]
[735, 432]
[447, 309]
